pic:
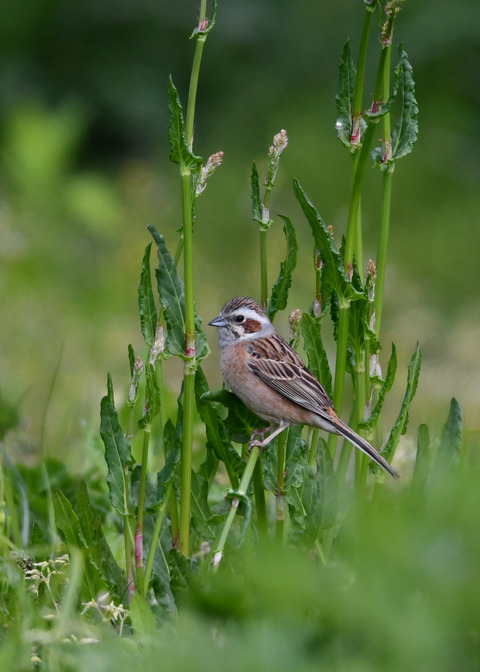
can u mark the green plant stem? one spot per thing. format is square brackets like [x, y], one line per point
[359, 411]
[362, 57]
[192, 91]
[280, 501]
[313, 447]
[357, 111]
[140, 512]
[190, 348]
[242, 491]
[156, 534]
[263, 269]
[263, 252]
[260, 503]
[353, 214]
[386, 203]
[340, 366]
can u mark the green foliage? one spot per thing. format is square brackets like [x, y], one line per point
[171, 294]
[334, 276]
[117, 452]
[316, 354]
[357, 578]
[180, 152]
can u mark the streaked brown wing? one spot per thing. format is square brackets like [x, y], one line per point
[278, 365]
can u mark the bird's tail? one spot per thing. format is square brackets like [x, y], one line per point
[364, 446]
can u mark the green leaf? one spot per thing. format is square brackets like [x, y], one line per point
[371, 423]
[152, 405]
[117, 452]
[333, 270]
[217, 439]
[173, 441]
[171, 294]
[180, 573]
[143, 621]
[313, 504]
[67, 520]
[180, 152]
[69, 527]
[131, 359]
[313, 346]
[401, 423]
[281, 287]
[405, 132]
[422, 462]
[240, 420]
[325, 511]
[448, 453]
[295, 449]
[146, 302]
[345, 100]
[258, 212]
[203, 520]
[100, 554]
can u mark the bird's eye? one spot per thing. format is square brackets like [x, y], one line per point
[239, 319]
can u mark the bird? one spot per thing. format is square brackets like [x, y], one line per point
[271, 379]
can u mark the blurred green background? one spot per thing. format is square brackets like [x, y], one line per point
[84, 168]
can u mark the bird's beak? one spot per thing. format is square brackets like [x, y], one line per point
[218, 322]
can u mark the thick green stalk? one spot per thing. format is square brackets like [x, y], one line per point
[362, 57]
[382, 248]
[190, 349]
[386, 202]
[357, 113]
[353, 214]
[242, 490]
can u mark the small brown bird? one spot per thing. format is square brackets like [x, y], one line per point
[261, 368]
